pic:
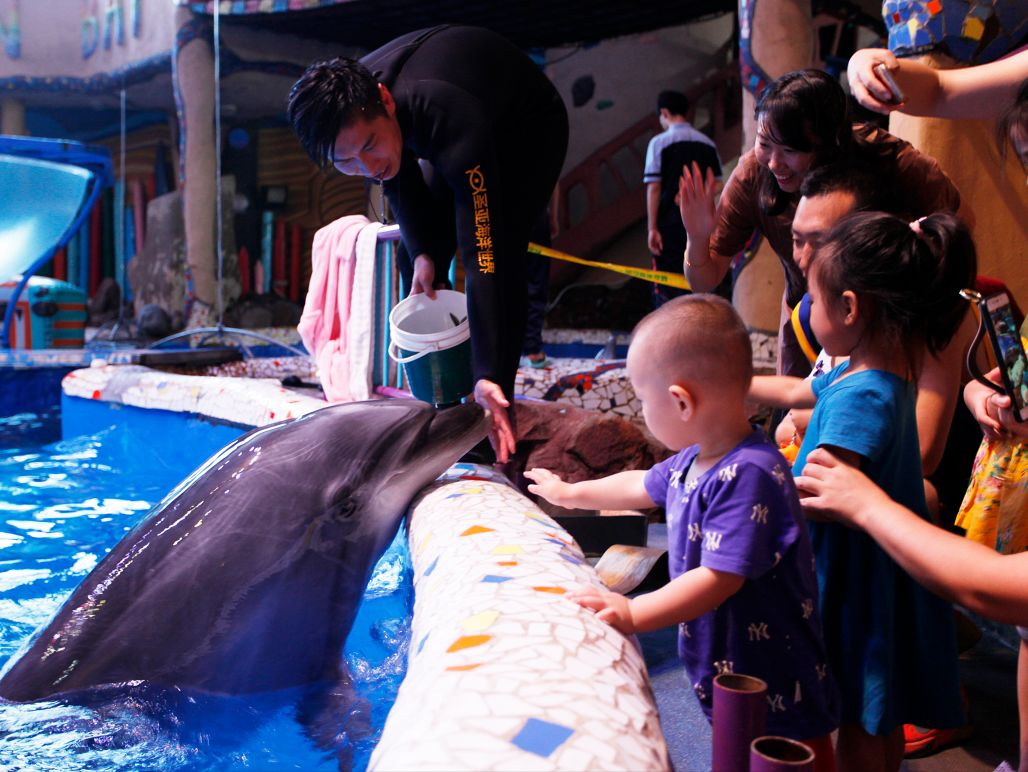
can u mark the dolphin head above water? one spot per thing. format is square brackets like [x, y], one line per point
[248, 575]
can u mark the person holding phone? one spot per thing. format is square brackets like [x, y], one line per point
[882, 82]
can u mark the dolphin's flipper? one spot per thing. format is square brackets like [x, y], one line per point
[334, 717]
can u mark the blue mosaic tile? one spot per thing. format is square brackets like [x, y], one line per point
[494, 579]
[431, 568]
[541, 737]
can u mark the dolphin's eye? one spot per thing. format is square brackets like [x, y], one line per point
[344, 509]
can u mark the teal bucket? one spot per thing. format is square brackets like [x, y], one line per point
[432, 340]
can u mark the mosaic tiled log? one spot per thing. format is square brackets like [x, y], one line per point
[245, 401]
[504, 672]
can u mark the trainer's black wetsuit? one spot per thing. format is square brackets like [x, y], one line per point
[495, 131]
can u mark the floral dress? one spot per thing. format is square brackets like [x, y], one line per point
[995, 508]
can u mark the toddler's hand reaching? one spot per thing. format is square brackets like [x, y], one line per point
[550, 487]
[614, 609]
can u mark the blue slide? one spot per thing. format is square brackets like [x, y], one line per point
[47, 188]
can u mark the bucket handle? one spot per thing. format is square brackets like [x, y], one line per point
[404, 360]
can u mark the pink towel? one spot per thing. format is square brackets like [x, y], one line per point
[324, 323]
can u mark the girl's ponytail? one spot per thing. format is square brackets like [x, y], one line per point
[947, 263]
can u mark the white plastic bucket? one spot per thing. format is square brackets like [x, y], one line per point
[432, 340]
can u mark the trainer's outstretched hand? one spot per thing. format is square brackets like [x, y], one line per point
[501, 436]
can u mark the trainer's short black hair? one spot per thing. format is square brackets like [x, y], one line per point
[329, 96]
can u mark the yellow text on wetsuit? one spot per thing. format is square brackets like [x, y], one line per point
[483, 229]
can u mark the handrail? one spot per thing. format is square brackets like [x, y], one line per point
[389, 233]
[603, 221]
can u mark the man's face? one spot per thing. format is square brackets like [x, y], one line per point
[814, 217]
[370, 147]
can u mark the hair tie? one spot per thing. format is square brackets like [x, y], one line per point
[915, 226]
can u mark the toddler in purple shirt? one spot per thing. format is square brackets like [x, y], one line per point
[743, 588]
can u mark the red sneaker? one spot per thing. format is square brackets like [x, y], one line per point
[919, 741]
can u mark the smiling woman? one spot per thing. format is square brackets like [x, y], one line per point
[803, 124]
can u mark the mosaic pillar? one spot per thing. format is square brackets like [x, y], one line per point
[12, 118]
[991, 188]
[777, 36]
[194, 73]
[945, 35]
[503, 671]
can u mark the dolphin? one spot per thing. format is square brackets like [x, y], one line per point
[247, 576]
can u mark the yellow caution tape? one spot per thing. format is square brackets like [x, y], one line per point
[657, 277]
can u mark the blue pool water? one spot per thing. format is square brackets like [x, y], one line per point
[62, 507]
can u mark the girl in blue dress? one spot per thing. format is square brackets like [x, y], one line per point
[884, 293]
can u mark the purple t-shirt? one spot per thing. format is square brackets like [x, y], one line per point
[743, 516]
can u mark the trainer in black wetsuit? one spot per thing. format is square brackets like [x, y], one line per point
[491, 133]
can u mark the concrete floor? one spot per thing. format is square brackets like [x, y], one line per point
[988, 672]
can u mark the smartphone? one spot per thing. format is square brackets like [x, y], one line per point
[897, 93]
[1009, 350]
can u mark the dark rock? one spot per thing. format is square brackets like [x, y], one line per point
[104, 305]
[577, 444]
[158, 273]
[154, 322]
[269, 310]
[600, 307]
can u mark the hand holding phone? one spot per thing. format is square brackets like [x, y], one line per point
[998, 319]
[886, 77]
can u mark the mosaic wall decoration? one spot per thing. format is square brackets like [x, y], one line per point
[503, 671]
[603, 385]
[971, 31]
[240, 7]
[599, 338]
[592, 384]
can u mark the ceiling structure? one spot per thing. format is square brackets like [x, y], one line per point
[529, 23]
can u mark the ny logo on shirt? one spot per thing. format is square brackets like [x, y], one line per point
[724, 666]
[758, 631]
[675, 478]
[808, 608]
[759, 514]
[695, 533]
[776, 703]
[779, 474]
[712, 541]
[727, 473]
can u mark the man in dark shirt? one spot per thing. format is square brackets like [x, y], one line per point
[678, 145]
[490, 130]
